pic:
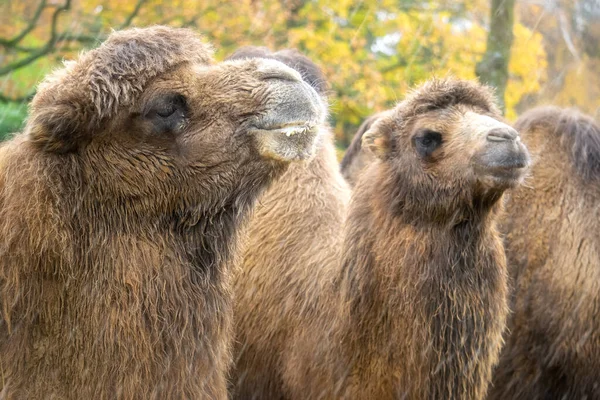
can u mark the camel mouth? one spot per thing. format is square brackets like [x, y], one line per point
[505, 161]
[289, 129]
[287, 142]
[505, 164]
[507, 172]
[504, 175]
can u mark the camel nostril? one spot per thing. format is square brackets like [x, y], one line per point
[502, 134]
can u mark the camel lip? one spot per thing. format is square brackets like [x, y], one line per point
[504, 176]
[287, 141]
[507, 159]
[287, 129]
[508, 172]
[515, 165]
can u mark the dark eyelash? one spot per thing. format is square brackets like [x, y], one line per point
[167, 111]
[426, 141]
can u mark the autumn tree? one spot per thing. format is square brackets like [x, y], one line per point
[493, 68]
[22, 46]
[372, 51]
[571, 39]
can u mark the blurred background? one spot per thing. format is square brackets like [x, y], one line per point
[533, 51]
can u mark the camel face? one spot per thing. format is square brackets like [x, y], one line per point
[459, 145]
[258, 106]
[155, 120]
[262, 103]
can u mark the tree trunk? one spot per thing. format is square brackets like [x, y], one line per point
[493, 68]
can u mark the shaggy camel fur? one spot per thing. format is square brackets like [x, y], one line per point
[119, 208]
[413, 302]
[424, 272]
[293, 237]
[553, 344]
[552, 348]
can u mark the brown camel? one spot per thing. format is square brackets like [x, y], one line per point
[424, 272]
[553, 343]
[293, 243]
[413, 301]
[120, 205]
[552, 350]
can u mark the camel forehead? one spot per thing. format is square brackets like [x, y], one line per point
[116, 73]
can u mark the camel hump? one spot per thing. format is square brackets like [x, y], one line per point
[579, 135]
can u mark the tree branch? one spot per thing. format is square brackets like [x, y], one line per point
[133, 14]
[48, 47]
[566, 36]
[55, 37]
[67, 37]
[31, 26]
[192, 22]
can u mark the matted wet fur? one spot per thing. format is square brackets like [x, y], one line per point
[348, 315]
[424, 271]
[119, 208]
[553, 343]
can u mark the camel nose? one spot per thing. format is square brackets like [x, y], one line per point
[503, 134]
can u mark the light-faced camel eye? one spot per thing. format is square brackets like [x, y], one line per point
[426, 141]
[167, 113]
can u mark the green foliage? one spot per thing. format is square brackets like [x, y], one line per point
[12, 116]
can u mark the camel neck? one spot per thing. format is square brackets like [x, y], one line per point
[419, 297]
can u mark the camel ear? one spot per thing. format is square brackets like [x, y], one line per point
[58, 127]
[376, 141]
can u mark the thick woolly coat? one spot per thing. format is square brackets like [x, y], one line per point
[553, 342]
[386, 304]
[116, 236]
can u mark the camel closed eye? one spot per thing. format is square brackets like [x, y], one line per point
[426, 142]
[168, 113]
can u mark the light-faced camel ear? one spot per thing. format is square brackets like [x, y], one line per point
[377, 141]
